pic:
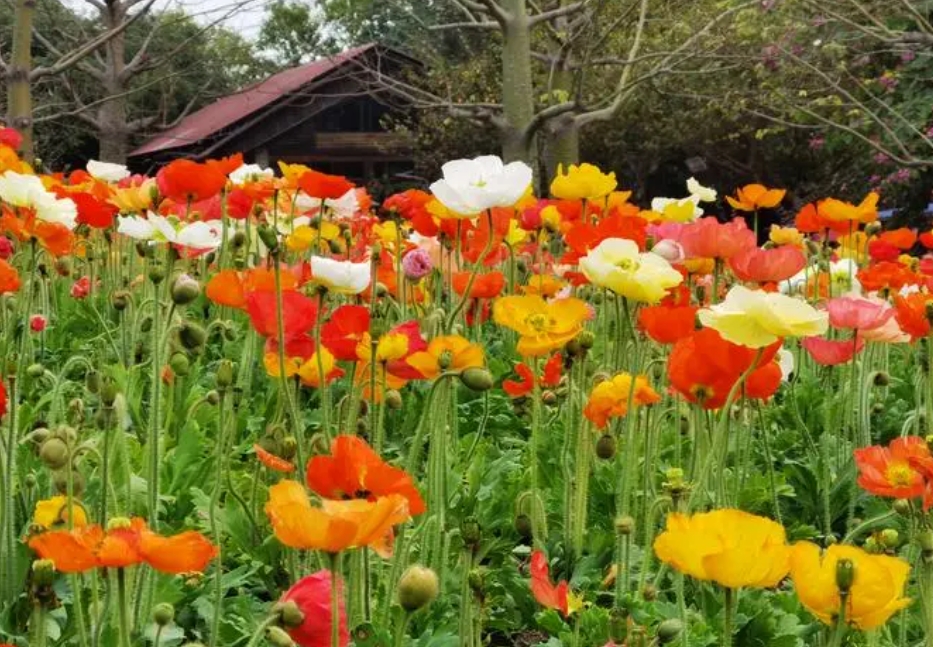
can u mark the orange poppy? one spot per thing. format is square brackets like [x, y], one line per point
[9, 278]
[667, 323]
[886, 275]
[582, 237]
[126, 542]
[273, 462]
[752, 197]
[485, 286]
[184, 181]
[545, 592]
[336, 525]
[610, 398]
[896, 471]
[324, 186]
[226, 289]
[709, 238]
[550, 377]
[354, 471]
[446, 353]
[53, 236]
[913, 313]
[543, 285]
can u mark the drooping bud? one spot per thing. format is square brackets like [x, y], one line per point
[192, 336]
[60, 482]
[881, 378]
[212, 397]
[477, 379]
[35, 370]
[163, 614]
[269, 238]
[417, 588]
[279, 637]
[625, 525]
[185, 289]
[289, 614]
[669, 630]
[845, 575]
[180, 364]
[108, 392]
[606, 447]
[523, 526]
[54, 453]
[393, 399]
[92, 382]
[225, 375]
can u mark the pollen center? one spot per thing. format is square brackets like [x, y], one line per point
[899, 474]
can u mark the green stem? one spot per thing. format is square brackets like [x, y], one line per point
[335, 600]
[154, 412]
[220, 469]
[260, 632]
[37, 622]
[841, 628]
[123, 609]
[728, 611]
[401, 628]
[466, 599]
[476, 268]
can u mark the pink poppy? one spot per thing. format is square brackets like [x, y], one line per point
[708, 238]
[767, 265]
[830, 352]
[858, 313]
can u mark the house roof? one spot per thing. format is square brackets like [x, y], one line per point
[230, 109]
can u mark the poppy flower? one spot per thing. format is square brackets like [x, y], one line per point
[342, 277]
[312, 595]
[830, 352]
[545, 592]
[446, 353]
[582, 237]
[354, 471]
[886, 275]
[550, 377]
[324, 186]
[186, 181]
[125, 543]
[542, 327]
[913, 313]
[3, 398]
[309, 372]
[753, 197]
[344, 330]
[767, 265]
[10, 137]
[273, 462]
[335, 525]
[485, 286]
[617, 264]
[9, 278]
[667, 323]
[880, 250]
[544, 285]
[299, 313]
[840, 211]
[55, 237]
[412, 206]
[94, 212]
[709, 238]
[858, 313]
[876, 592]
[610, 398]
[53, 512]
[582, 182]
[895, 471]
[733, 548]
[81, 288]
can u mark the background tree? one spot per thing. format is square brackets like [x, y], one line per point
[292, 33]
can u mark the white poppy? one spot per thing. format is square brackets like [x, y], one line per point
[51, 208]
[341, 276]
[20, 190]
[785, 360]
[107, 171]
[702, 193]
[203, 235]
[135, 227]
[249, 172]
[470, 187]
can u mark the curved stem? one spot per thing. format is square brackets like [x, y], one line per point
[476, 268]
[261, 631]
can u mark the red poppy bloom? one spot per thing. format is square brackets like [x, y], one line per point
[299, 313]
[485, 286]
[550, 377]
[885, 275]
[545, 592]
[830, 352]
[583, 237]
[412, 206]
[708, 238]
[311, 594]
[81, 288]
[324, 186]
[185, 181]
[913, 313]
[3, 399]
[355, 471]
[94, 212]
[10, 137]
[344, 330]
[767, 265]
[894, 471]
[667, 323]
[473, 241]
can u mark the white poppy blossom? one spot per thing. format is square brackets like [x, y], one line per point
[341, 276]
[470, 187]
[107, 171]
[249, 172]
[702, 193]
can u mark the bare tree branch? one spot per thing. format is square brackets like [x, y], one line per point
[566, 10]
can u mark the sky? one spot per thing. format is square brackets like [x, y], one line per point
[243, 16]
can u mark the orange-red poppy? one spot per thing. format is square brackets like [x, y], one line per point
[412, 206]
[668, 323]
[273, 462]
[886, 275]
[914, 313]
[299, 313]
[897, 471]
[324, 186]
[126, 542]
[550, 377]
[610, 398]
[184, 181]
[344, 330]
[354, 471]
[485, 286]
[581, 237]
[53, 236]
[9, 278]
[336, 525]
[545, 592]
[93, 211]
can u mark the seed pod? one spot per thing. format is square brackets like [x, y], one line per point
[845, 575]
[225, 375]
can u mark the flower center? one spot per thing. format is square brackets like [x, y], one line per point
[627, 264]
[540, 322]
[899, 474]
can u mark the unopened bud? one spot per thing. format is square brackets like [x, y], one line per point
[268, 237]
[180, 364]
[163, 614]
[60, 482]
[393, 399]
[290, 615]
[192, 336]
[606, 447]
[586, 339]
[156, 273]
[212, 397]
[417, 588]
[470, 531]
[625, 525]
[185, 289]
[649, 592]
[279, 637]
[238, 240]
[890, 538]
[574, 348]
[224, 374]
[43, 572]
[549, 397]
[925, 539]
[881, 378]
[901, 507]
[443, 362]
[63, 266]
[477, 379]
[54, 453]
[108, 392]
[35, 370]
[523, 526]
[845, 575]
[669, 630]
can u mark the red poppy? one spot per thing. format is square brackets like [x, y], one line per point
[667, 323]
[299, 313]
[10, 137]
[273, 462]
[94, 212]
[914, 313]
[185, 181]
[81, 288]
[885, 275]
[550, 377]
[3, 399]
[344, 330]
[767, 265]
[830, 352]
[583, 237]
[354, 471]
[896, 471]
[473, 240]
[312, 595]
[412, 206]
[485, 286]
[545, 592]
[324, 186]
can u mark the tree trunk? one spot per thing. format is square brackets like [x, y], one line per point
[563, 135]
[517, 86]
[19, 107]
[113, 129]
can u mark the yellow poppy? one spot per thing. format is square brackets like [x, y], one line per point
[53, 512]
[542, 326]
[839, 210]
[877, 587]
[446, 353]
[730, 547]
[583, 182]
[785, 236]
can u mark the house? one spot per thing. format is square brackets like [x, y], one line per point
[330, 114]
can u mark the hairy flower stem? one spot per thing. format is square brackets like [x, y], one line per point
[925, 581]
[401, 628]
[154, 410]
[323, 390]
[9, 502]
[476, 269]
[123, 614]
[840, 630]
[581, 482]
[37, 626]
[220, 463]
[728, 616]
[260, 632]
[335, 600]
[537, 520]
[284, 390]
[466, 598]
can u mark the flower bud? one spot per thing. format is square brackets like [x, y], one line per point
[92, 382]
[185, 289]
[163, 614]
[393, 399]
[290, 614]
[471, 531]
[925, 540]
[417, 588]
[477, 580]
[669, 630]
[35, 370]
[192, 336]
[890, 538]
[625, 525]
[574, 348]
[212, 397]
[54, 453]
[156, 273]
[523, 526]
[289, 447]
[43, 572]
[63, 266]
[180, 364]
[845, 575]
[477, 379]
[444, 360]
[649, 592]
[108, 392]
[238, 240]
[901, 507]
[606, 447]
[279, 637]
[881, 378]
[60, 482]
[269, 238]
[224, 374]
[549, 397]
